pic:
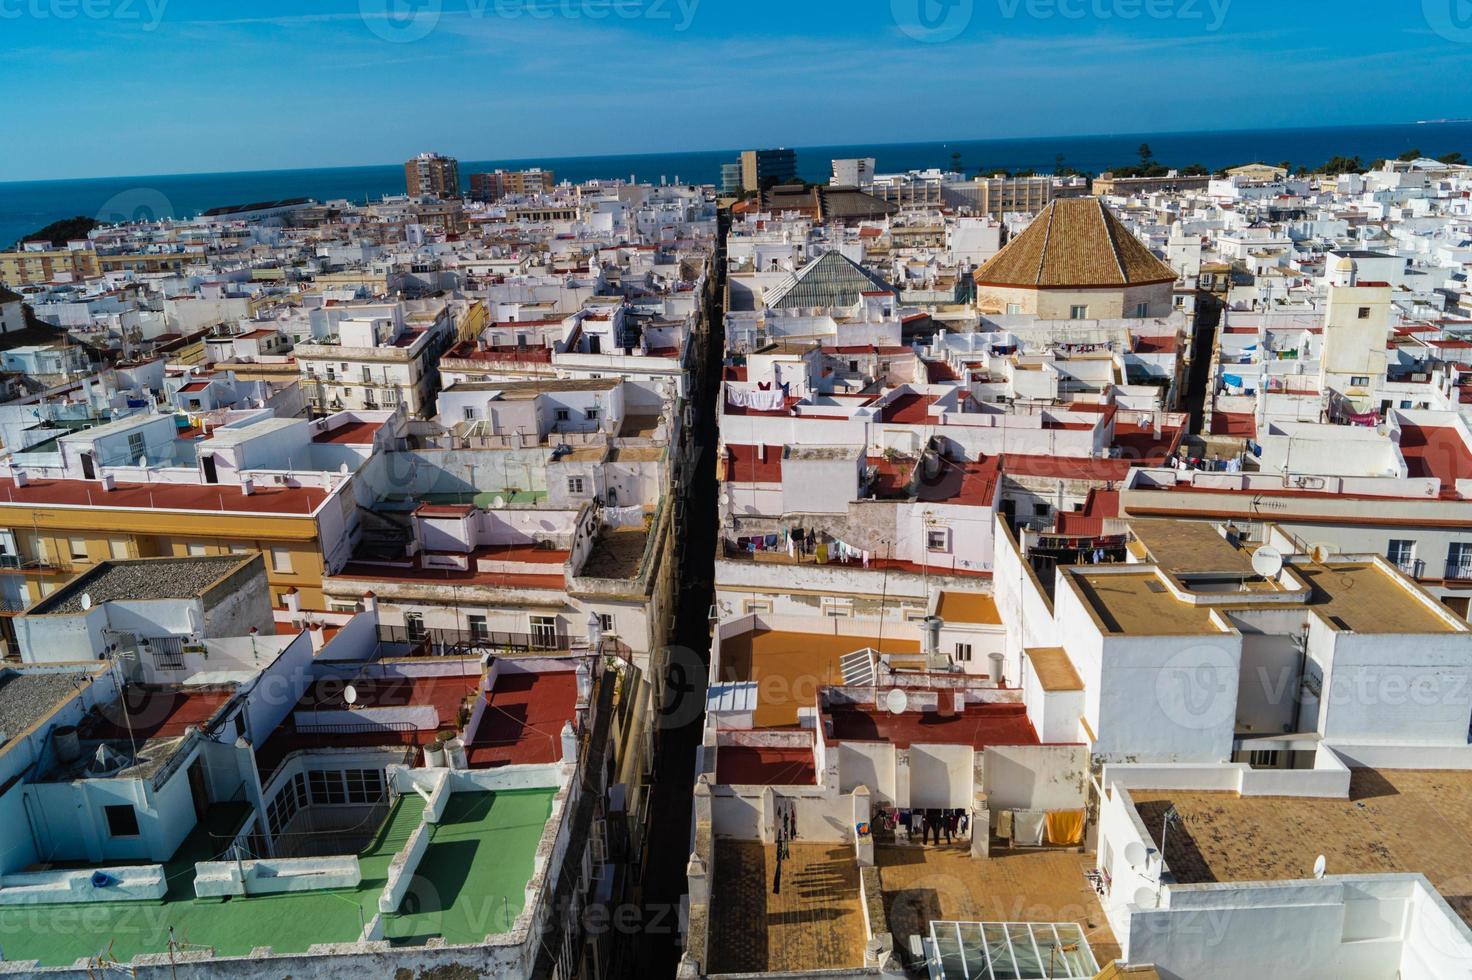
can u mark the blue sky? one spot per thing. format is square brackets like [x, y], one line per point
[123, 87]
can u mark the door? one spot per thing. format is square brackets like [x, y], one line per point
[89, 469]
[595, 344]
[210, 474]
[199, 788]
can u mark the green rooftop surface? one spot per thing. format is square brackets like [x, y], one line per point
[474, 874]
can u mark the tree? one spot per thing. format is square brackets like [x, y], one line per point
[1286, 166]
[956, 162]
[1455, 159]
[1409, 155]
[1146, 154]
[1195, 170]
[58, 233]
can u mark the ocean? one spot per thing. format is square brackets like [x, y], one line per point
[26, 206]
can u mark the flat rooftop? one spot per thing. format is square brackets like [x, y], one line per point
[1054, 669]
[790, 667]
[1139, 604]
[1189, 547]
[1394, 821]
[1367, 598]
[925, 884]
[480, 858]
[975, 608]
[148, 578]
[28, 696]
[978, 726]
[214, 498]
[618, 553]
[523, 719]
[741, 765]
[815, 923]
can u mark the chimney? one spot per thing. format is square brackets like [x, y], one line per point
[247, 486]
[20, 478]
[370, 602]
[109, 482]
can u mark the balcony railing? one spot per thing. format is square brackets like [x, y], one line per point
[1459, 571]
[443, 642]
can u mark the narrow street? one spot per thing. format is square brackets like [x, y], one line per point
[657, 948]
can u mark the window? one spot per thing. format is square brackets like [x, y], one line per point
[1459, 562]
[1180, 302]
[1041, 510]
[1014, 309]
[757, 607]
[122, 821]
[1360, 381]
[1402, 554]
[562, 415]
[326, 788]
[574, 484]
[1364, 312]
[605, 622]
[364, 785]
[414, 625]
[963, 653]
[1263, 759]
[1142, 310]
[469, 414]
[837, 608]
[544, 632]
[196, 550]
[592, 415]
[78, 547]
[281, 560]
[937, 540]
[367, 374]
[1079, 313]
[136, 446]
[479, 628]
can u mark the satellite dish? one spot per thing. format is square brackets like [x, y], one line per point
[350, 694]
[1321, 553]
[1146, 898]
[1320, 865]
[1136, 854]
[896, 701]
[1267, 562]
[86, 601]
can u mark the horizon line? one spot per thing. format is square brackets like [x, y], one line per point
[696, 152]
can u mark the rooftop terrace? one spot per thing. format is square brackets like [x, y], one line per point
[814, 923]
[1368, 598]
[1139, 604]
[1393, 821]
[923, 884]
[471, 883]
[790, 667]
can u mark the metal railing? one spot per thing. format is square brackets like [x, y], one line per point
[438, 642]
[1459, 571]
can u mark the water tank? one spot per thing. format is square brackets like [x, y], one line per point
[997, 661]
[68, 744]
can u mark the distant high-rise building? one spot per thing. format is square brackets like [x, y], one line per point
[504, 183]
[730, 179]
[432, 175]
[761, 169]
[856, 172]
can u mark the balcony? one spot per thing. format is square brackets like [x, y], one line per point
[1459, 570]
[456, 642]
